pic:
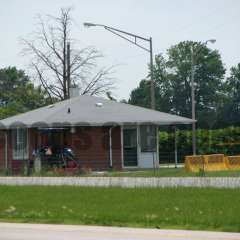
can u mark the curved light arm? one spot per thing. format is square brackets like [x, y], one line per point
[122, 34]
[132, 38]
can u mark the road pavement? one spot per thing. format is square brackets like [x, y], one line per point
[13, 231]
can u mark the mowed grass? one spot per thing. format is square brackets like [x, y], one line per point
[177, 208]
[170, 172]
[160, 172]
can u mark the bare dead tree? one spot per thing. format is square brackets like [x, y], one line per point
[48, 51]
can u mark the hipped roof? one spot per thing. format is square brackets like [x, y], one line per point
[93, 111]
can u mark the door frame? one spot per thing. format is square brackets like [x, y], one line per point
[122, 144]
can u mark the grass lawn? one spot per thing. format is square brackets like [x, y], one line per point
[160, 172]
[179, 208]
[170, 172]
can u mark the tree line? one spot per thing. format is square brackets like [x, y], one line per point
[217, 96]
[18, 94]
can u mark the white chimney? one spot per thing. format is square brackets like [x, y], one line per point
[74, 92]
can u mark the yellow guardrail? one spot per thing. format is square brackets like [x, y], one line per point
[233, 162]
[213, 162]
[194, 163]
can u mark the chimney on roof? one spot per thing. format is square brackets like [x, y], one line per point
[74, 91]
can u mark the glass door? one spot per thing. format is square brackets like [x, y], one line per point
[130, 147]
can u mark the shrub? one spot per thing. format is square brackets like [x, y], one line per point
[225, 141]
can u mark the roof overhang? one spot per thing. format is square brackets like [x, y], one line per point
[63, 125]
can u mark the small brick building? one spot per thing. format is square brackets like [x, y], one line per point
[103, 134]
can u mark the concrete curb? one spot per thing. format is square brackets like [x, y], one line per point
[128, 182]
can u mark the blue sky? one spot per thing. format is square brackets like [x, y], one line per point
[167, 21]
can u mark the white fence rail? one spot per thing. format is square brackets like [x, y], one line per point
[128, 182]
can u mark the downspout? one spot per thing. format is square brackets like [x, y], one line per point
[175, 147]
[6, 151]
[110, 147]
[157, 153]
[28, 152]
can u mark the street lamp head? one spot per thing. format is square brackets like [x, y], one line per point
[212, 40]
[86, 24]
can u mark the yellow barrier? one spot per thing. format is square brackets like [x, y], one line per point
[194, 163]
[233, 162]
[215, 162]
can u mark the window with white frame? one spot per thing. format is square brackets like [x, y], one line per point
[148, 138]
[19, 143]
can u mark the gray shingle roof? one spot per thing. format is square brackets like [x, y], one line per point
[93, 111]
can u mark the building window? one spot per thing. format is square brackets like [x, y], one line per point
[19, 144]
[130, 138]
[148, 138]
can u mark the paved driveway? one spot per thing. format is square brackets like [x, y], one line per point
[12, 231]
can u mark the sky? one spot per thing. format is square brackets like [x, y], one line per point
[167, 21]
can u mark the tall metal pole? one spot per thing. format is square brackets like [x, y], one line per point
[133, 39]
[68, 70]
[193, 63]
[193, 102]
[152, 76]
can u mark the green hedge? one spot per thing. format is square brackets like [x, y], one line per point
[226, 141]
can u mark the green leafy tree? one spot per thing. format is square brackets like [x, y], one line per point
[231, 109]
[209, 75]
[18, 94]
[173, 82]
[141, 97]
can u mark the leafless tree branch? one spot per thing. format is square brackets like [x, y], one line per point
[47, 50]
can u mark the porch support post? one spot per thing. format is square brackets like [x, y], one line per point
[110, 148]
[139, 150]
[154, 158]
[157, 152]
[28, 148]
[6, 151]
[37, 158]
[175, 147]
[122, 157]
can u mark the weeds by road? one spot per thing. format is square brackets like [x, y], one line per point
[179, 208]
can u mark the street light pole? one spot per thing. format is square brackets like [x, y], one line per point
[152, 76]
[193, 102]
[132, 38]
[193, 65]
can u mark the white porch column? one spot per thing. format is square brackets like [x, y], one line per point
[6, 151]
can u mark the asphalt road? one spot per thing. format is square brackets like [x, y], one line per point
[12, 231]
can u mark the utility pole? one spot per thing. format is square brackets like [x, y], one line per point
[193, 102]
[134, 39]
[68, 70]
[152, 76]
[194, 53]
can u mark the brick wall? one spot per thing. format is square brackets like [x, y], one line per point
[13, 165]
[2, 151]
[90, 144]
